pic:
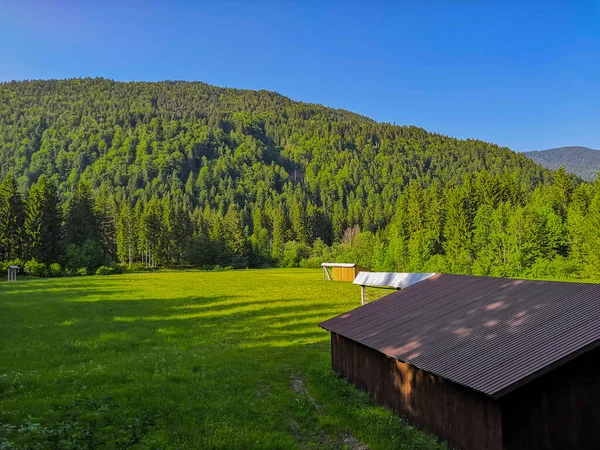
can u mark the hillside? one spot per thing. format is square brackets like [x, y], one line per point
[170, 173]
[581, 161]
[127, 136]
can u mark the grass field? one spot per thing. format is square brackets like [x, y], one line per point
[188, 360]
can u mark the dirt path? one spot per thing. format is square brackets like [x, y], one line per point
[346, 441]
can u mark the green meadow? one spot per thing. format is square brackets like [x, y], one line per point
[183, 360]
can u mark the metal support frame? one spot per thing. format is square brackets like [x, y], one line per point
[12, 274]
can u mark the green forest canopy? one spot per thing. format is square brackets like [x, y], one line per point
[97, 171]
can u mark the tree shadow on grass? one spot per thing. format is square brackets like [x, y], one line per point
[215, 369]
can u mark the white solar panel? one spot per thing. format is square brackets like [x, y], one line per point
[390, 279]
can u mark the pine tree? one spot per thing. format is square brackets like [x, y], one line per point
[43, 222]
[235, 237]
[457, 231]
[280, 231]
[105, 214]
[125, 234]
[80, 221]
[151, 232]
[11, 220]
[182, 231]
[259, 240]
[592, 235]
[298, 218]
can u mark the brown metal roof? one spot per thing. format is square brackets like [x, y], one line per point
[489, 334]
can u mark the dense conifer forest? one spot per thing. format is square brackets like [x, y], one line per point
[98, 173]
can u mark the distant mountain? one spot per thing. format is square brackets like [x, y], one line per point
[581, 161]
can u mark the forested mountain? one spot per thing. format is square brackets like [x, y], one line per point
[581, 161]
[170, 173]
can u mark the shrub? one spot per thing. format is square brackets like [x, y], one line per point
[54, 270]
[104, 270]
[117, 268]
[4, 265]
[559, 267]
[88, 255]
[35, 269]
[293, 253]
[137, 267]
[311, 263]
[82, 271]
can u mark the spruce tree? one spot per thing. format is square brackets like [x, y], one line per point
[105, 217]
[235, 238]
[80, 220]
[125, 236]
[11, 219]
[43, 222]
[280, 231]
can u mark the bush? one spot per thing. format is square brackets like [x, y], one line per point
[293, 253]
[89, 255]
[311, 263]
[104, 270]
[35, 269]
[559, 267]
[54, 270]
[4, 265]
[200, 251]
[137, 267]
[117, 268]
[82, 271]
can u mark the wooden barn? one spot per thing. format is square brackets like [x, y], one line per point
[341, 271]
[483, 363]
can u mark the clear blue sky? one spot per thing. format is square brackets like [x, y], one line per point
[523, 74]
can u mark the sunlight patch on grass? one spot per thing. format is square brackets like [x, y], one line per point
[209, 355]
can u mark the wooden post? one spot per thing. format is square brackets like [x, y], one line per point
[362, 294]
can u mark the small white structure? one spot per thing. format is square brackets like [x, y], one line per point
[389, 280]
[341, 271]
[12, 273]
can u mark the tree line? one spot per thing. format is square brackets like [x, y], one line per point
[173, 173]
[484, 225]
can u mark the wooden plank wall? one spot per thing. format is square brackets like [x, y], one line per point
[344, 273]
[465, 419]
[558, 411]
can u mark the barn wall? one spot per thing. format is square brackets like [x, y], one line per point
[465, 419]
[558, 411]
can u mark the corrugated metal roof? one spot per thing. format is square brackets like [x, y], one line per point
[390, 279]
[489, 334]
[338, 265]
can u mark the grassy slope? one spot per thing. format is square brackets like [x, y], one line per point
[213, 355]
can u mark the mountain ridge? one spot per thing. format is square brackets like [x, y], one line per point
[581, 161]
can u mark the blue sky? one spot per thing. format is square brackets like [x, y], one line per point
[521, 74]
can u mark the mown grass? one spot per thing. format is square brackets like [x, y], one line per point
[219, 360]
